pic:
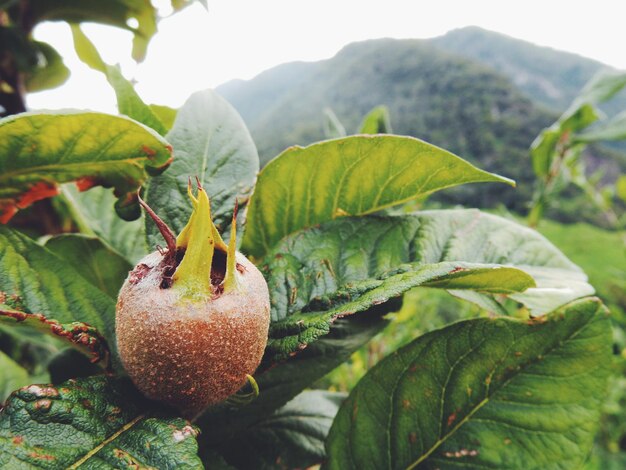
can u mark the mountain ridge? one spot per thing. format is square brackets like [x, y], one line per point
[460, 103]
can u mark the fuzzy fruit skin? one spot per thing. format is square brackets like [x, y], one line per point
[188, 353]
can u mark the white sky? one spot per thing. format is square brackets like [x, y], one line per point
[196, 49]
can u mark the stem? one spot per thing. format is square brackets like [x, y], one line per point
[230, 279]
[167, 233]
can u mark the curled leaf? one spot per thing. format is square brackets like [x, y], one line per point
[82, 336]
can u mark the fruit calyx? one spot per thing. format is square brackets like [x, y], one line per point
[198, 261]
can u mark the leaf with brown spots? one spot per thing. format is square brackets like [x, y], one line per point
[566, 363]
[39, 151]
[97, 422]
[350, 265]
[41, 291]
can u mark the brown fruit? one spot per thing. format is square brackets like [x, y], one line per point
[192, 320]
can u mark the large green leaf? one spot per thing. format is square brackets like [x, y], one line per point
[92, 259]
[120, 13]
[356, 175]
[94, 214]
[50, 290]
[348, 265]
[12, 376]
[297, 331]
[211, 142]
[483, 393]
[128, 101]
[292, 437]
[91, 423]
[40, 150]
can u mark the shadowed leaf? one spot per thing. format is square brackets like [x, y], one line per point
[211, 142]
[93, 260]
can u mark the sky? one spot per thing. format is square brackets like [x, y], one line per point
[197, 49]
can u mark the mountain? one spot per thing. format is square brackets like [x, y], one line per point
[485, 106]
[548, 76]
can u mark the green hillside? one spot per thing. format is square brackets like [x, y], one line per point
[482, 95]
[548, 76]
[601, 254]
[442, 98]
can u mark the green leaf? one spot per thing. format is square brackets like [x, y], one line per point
[13, 376]
[357, 255]
[92, 259]
[94, 214]
[86, 51]
[581, 113]
[38, 151]
[211, 142]
[376, 122]
[166, 115]
[333, 129]
[52, 295]
[178, 5]
[293, 436]
[128, 101]
[296, 332]
[119, 13]
[482, 393]
[91, 423]
[50, 72]
[356, 175]
[348, 265]
[542, 150]
[613, 129]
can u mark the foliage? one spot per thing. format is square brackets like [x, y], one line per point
[556, 153]
[525, 384]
